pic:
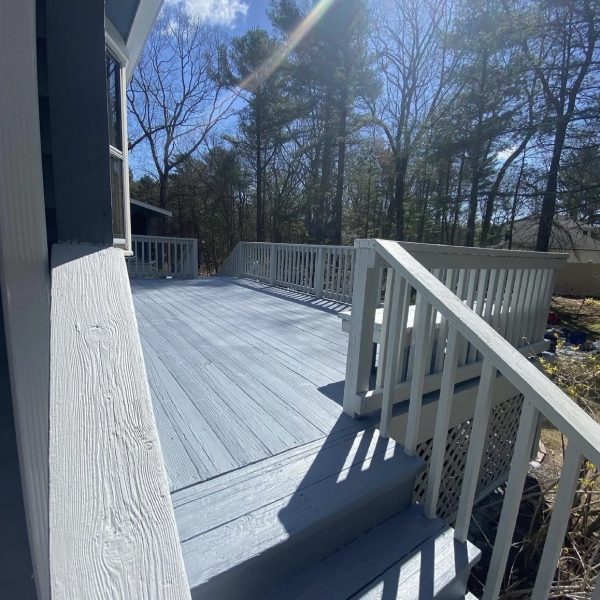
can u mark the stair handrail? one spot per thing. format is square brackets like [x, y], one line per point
[541, 397]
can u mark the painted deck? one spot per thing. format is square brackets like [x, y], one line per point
[247, 383]
[238, 372]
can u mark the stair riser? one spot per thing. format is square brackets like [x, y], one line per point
[254, 578]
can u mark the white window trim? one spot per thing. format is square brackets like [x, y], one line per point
[116, 47]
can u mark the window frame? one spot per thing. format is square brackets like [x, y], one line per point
[116, 48]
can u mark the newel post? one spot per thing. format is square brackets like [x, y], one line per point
[319, 271]
[242, 261]
[365, 299]
[194, 259]
[273, 263]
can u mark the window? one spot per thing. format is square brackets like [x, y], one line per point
[117, 139]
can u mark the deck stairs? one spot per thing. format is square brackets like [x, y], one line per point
[330, 519]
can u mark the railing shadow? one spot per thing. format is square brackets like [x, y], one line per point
[351, 472]
[324, 304]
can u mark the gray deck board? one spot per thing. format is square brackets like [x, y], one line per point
[242, 334]
[286, 504]
[277, 336]
[247, 384]
[264, 367]
[311, 347]
[238, 372]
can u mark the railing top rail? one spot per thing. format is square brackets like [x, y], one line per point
[554, 260]
[416, 247]
[163, 237]
[298, 244]
[545, 395]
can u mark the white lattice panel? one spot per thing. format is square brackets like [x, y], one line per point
[502, 432]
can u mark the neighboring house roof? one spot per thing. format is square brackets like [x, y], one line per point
[567, 235]
[150, 207]
[131, 21]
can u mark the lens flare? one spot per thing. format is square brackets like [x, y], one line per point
[276, 59]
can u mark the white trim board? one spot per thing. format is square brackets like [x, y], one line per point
[24, 277]
[112, 527]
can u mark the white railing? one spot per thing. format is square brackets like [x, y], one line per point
[509, 290]
[158, 256]
[488, 331]
[322, 271]
[494, 283]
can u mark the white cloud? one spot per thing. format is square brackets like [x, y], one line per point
[218, 12]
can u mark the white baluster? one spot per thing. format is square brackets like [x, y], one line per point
[476, 448]
[421, 330]
[561, 511]
[442, 424]
[512, 500]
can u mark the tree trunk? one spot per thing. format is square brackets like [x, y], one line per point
[326, 167]
[163, 193]
[258, 152]
[549, 200]
[491, 199]
[458, 202]
[401, 165]
[473, 197]
[513, 209]
[445, 225]
[367, 216]
[336, 237]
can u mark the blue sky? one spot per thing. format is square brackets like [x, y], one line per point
[236, 17]
[256, 16]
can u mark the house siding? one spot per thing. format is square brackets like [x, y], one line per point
[74, 121]
[15, 559]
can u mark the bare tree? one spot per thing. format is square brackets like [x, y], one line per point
[565, 64]
[174, 98]
[409, 42]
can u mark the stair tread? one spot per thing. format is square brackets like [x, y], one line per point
[410, 555]
[270, 505]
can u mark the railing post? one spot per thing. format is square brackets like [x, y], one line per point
[273, 263]
[243, 261]
[319, 271]
[194, 258]
[360, 339]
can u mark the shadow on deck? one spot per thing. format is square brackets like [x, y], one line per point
[268, 476]
[238, 372]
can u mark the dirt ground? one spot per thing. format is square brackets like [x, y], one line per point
[579, 313]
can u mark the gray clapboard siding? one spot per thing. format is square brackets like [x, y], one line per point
[112, 527]
[24, 278]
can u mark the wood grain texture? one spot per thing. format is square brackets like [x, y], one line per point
[248, 534]
[112, 527]
[420, 560]
[238, 372]
[438, 569]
